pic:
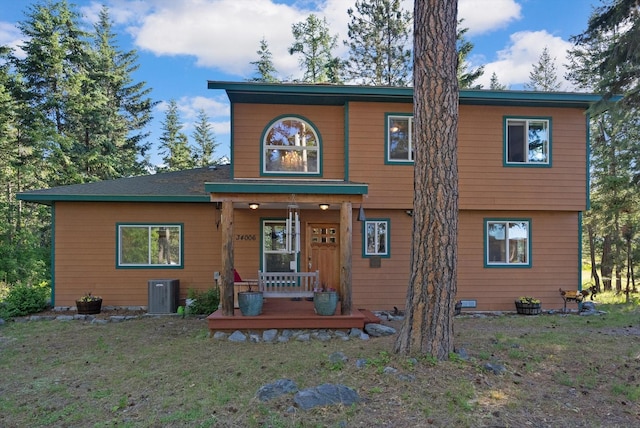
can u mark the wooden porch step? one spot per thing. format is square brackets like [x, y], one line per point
[370, 317]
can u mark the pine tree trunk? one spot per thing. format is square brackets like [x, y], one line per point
[592, 255]
[428, 323]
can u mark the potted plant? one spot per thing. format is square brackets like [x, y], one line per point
[89, 305]
[325, 300]
[528, 306]
[250, 302]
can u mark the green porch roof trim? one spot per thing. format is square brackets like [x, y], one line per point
[327, 94]
[177, 186]
[285, 187]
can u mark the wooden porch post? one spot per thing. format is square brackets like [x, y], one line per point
[346, 237]
[226, 219]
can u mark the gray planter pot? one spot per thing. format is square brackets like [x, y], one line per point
[325, 302]
[250, 303]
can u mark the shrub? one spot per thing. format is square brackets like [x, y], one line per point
[203, 302]
[24, 300]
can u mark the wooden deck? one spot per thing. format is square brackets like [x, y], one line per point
[292, 314]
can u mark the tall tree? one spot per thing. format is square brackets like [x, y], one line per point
[428, 323]
[204, 139]
[379, 32]
[619, 64]
[466, 76]
[544, 75]
[264, 65]
[495, 84]
[174, 144]
[315, 45]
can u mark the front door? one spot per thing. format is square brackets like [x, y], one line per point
[323, 249]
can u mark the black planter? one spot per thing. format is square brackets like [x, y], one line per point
[528, 308]
[89, 308]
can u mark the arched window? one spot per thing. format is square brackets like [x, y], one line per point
[291, 145]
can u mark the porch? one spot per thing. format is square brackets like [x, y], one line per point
[278, 313]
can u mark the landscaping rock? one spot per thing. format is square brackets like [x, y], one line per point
[378, 330]
[64, 318]
[276, 389]
[338, 357]
[220, 335]
[269, 336]
[304, 337]
[361, 363]
[325, 395]
[237, 336]
[495, 368]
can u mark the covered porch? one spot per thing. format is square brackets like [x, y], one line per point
[305, 196]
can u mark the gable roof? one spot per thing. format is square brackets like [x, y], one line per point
[329, 94]
[176, 186]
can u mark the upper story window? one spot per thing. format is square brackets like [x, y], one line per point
[528, 141]
[291, 145]
[146, 245]
[399, 138]
[507, 243]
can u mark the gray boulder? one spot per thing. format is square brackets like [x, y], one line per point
[276, 389]
[378, 330]
[325, 395]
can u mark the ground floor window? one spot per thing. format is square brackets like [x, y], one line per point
[507, 243]
[149, 245]
[376, 238]
[275, 256]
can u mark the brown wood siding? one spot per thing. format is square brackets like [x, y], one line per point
[85, 244]
[485, 183]
[251, 120]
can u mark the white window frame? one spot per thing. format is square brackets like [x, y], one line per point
[151, 228]
[390, 129]
[508, 242]
[527, 123]
[377, 223]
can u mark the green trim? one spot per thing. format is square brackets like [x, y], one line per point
[53, 255]
[285, 93]
[364, 238]
[588, 162]
[346, 141]
[506, 265]
[580, 249]
[50, 197]
[312, 188]
[231, 140]
[150, 224]
[264, 173]
[387, 160]
[505, 133]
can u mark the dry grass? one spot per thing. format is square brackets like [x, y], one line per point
[562, 370]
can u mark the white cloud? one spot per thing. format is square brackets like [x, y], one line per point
[516, 61]
[11, 36]
[487, 15]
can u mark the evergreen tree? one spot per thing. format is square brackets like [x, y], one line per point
[205, 140]
[315, 44]
[466, 77]
[379, 32]
[264, 65]
[544, 75]
[495, 84]
[619, 63]
[174, 144]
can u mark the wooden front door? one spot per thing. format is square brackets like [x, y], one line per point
[323, 248]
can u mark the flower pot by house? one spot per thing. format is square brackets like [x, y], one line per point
[325, 302]
[90, 307]
[528, 308]
[250, 303]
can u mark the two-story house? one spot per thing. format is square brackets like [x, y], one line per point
[321, 179]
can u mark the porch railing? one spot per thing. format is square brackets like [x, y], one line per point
[288, 284]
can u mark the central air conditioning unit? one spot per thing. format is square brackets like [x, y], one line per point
[164, 295]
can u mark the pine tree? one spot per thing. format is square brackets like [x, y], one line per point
[466, 77]
[174, 145]
[315, 44]
[264, 65]
[205, 140]
[379, 32]
[544, 76]
[495, 84]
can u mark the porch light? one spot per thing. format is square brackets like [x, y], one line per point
[361, 216]
[324, 207]
[254, 205]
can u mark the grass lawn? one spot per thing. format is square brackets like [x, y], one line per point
[561, 371]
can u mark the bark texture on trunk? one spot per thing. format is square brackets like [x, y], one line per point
[430, 305]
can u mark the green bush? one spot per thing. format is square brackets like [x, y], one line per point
[24, 300]
[203, 302]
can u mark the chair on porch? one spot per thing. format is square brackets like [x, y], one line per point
[240, 284]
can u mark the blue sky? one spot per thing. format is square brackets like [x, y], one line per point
[183, 43]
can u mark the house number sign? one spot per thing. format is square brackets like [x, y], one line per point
[245, 237]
